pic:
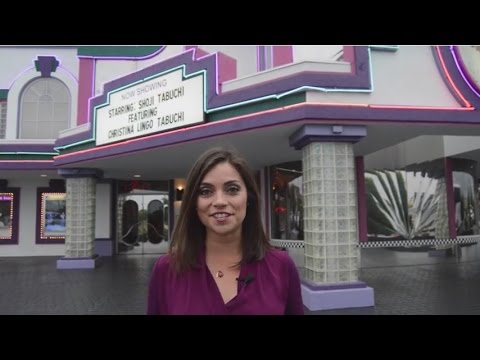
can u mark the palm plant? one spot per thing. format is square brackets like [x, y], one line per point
[397, 210]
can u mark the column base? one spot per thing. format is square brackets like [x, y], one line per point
[78, 263]
[440, 252]
[337, 296]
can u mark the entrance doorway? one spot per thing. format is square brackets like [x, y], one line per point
[143, 222]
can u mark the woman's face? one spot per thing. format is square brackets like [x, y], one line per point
[222, 201]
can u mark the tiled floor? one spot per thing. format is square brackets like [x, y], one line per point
[405, 282]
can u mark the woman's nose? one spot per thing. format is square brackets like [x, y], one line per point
[219, 199]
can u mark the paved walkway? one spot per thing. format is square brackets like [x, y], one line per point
[405, 282]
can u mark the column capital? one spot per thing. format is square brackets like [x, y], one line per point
[326, 133]
[80, 172]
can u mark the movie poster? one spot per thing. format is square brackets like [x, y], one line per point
[6, 210]
[54, 215]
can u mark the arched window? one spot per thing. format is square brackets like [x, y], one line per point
[44, 109]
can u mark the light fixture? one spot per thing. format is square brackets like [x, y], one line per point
[43, 175]
[137, 176]
[179, 193]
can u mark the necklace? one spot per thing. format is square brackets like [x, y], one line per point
[219, 274]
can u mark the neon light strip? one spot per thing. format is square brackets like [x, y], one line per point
[193, 50]
[384, 47]
[215, 75]
[302, 88]
[447, 74]
[278, 96]
[27, 153]
[20, 75]
[43, 236]
[462, 72]
[124, 57]
[205, 125]
[59, 66]
[68, 72]
[182, 67]
[27, 161]
[420, 107]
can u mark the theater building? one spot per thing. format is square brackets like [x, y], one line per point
[353, 147]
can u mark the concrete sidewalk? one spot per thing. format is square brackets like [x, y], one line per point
[405, 282]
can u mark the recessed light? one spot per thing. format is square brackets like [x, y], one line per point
[137, 176]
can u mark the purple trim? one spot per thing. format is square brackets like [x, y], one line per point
[103, 247]
[466, 76]
[26, 148]
[80, 173]
[359, 79]
[261, 61]
[337, 298]
[315, 113]
[25, 165]
[38, 222]
[361, 199]
[226, 67]
[46, 65]
[455, 74]
[16, 216]
[72, 139]
[336, 133]
[78, 263]
[316, 287]
[85, 89]
[450, 198]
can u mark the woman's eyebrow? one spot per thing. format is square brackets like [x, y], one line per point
[230, 182]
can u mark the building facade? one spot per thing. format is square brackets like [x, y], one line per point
[353, 146]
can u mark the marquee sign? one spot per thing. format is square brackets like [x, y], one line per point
[158, 104]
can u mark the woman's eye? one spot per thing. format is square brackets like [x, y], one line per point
[233, 189]
[204, 192]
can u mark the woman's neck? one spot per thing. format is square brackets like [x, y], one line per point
[229, 247]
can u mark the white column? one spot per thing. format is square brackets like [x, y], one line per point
[330, 220]
[80, 235]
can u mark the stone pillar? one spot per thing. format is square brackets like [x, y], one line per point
[330, 217]
[80, 219]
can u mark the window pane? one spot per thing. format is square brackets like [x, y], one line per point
[287, 201]
[46, 101]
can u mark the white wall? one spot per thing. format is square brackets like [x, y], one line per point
[22, 58]
[414, 151]
[316, 52]
[16, 73]
[455, 145]
[408, 76]
[26, 238]
[103, 211]
[108, 70]
[246, 56]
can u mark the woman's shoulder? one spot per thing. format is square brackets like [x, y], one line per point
[280, 257]
[162, 264]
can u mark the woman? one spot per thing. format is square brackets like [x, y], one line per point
[220, 260]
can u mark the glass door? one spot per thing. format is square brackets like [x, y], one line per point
[142, 222]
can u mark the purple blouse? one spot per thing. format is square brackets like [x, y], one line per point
[270, 286]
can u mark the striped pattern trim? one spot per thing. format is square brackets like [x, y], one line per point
[468, 239]
[288, 243]
[401, 243]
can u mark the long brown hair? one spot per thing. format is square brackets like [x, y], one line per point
[189, 233]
